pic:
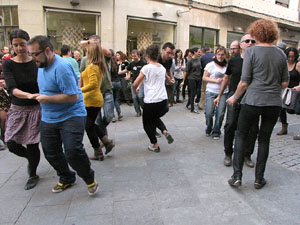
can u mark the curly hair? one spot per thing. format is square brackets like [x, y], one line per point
[122, 55]
[265, 31]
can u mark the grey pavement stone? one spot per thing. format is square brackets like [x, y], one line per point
[89, 220]
[43, 215]
[186, 183]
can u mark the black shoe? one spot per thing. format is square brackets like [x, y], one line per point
[109, 146]
[169, 138]
[129, 103]
[179, 101]
[31, 182]
[235, 181]
[227, 160]
[260, 183]
[249, 162]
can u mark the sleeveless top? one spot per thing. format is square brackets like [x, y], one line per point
[294, 77]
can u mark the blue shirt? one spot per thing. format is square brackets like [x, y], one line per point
[60, 78]
[74, 64]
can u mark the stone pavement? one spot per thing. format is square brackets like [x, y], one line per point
[184, 184]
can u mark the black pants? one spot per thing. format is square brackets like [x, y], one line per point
[90, 126]
[177, 88]
[31, 153]
[125, 90]
[184, 87]
[151, 118]
[67, 134]
[248, 116]
[230, 129]
[193, 85]
[283, 117]
[100, 126]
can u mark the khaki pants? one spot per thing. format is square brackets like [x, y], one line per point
[203, 91]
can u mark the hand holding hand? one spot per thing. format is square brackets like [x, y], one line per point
[42, 98]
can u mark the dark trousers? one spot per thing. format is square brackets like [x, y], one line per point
[68, 133]
[184, 87]
[151, 118]
[230, 129]
[177, 88]
[170, 93]
[249, 115]
[283, 117]
[31, 153]
[100, 126]
[193, 85]
[90, 125]
[125, 90]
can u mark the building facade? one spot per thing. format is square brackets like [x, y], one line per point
[125, 25]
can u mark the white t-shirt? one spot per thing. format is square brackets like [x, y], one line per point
[154, 83]
[215, 73]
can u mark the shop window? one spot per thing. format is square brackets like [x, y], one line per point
[200, 36]
[284, 3]
[8, 22]
[68, 28]
[232, 36]
[143, 33]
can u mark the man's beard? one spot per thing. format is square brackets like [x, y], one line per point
[44, 64]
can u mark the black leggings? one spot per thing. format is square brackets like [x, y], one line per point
[151, 118]
[90, 125]
[31, 153]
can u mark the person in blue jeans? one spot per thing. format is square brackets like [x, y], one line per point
[116, 83]
[63, 117]
[213, 74]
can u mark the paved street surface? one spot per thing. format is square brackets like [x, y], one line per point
[184, 184]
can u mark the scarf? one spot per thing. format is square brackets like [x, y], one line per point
[220, 63]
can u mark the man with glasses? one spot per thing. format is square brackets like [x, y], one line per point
[235, 48]
[63, 116]
[233, 75]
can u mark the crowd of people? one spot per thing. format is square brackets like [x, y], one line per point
[52, 99]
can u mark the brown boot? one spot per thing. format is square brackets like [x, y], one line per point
[283, 129]
[98, 154]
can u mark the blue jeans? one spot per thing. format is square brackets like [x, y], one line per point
[108, 106]
[211, 110]
[138, 100]
[68, 133]
[116, 94]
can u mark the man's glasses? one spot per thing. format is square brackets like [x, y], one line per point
[35, 54]
[249, 40]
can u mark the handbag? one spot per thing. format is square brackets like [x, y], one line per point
[297, 105]
[289, 99]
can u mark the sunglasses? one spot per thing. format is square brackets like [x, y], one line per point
[249, 40]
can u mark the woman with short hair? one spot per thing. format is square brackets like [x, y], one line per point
[264, 74]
